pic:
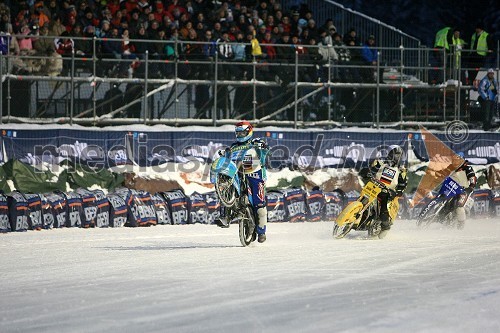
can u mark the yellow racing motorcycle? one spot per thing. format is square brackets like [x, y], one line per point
[363, 214]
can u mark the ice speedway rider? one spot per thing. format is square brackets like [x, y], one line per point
[255, 171]
[392, 173]
[465, 176]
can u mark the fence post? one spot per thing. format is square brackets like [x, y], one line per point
[145, 102]
[401, 96]
[296, 89]
[378, 89]
[254, 102]
[444, 84]
[176, 71]
[329, 92]
[1, 88]
[214, 107]
[72, 88]
[94, 83]
[458, 71]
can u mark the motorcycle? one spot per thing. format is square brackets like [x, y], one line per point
[441, 209]
[363, 214]
[231, 186]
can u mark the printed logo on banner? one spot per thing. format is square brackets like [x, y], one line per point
[341, 149]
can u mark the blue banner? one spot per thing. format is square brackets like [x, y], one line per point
[333, 148]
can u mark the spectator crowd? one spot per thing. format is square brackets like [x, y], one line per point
[235, 31]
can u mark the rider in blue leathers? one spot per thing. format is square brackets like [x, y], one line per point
[255, 171]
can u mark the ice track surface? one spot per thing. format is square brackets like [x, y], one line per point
[198, 278]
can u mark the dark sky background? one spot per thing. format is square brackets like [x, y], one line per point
[422, 18]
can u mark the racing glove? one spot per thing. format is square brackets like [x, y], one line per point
[260, 143]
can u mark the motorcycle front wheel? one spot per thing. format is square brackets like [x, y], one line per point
[225, 190]
[431, 215]
[341, 231]
[247, 227]
[374, 229]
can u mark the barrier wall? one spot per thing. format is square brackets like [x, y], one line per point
[331, 148]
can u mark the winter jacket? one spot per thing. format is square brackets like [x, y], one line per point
[488, 89]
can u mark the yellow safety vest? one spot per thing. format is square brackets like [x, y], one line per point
[482, 45]
[441, 38]
[458, 44]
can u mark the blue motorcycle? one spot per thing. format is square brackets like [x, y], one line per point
[231, 187]
[441, 209]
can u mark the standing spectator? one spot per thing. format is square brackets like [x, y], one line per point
[237, 69]
[78, 42]
[316, 60]
[482, 49]
[112, 49]
[370, 58]
[208, 50]
[327, 51]
[457, 44]
[301, 53]
[356, 61]
[44, 46]
[87, 45]
[225, 53]
[285, 55]
[191, 51]
[344, 58]
[65, 47]
[488, 91]
[269, 55]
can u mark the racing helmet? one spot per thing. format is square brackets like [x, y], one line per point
[394, 155]
[243, 131]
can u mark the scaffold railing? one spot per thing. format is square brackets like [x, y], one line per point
[298, 89]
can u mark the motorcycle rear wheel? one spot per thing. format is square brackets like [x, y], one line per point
[247, 227]
[225, 190]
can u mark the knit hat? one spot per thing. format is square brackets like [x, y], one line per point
[490, 70]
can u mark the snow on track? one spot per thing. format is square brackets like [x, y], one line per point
[198, 278]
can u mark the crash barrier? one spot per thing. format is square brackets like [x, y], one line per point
[131, 208]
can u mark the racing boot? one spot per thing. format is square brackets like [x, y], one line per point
[222, 222]
[261, 226]
[385, 224]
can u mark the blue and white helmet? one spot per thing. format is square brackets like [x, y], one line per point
[243, 131]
